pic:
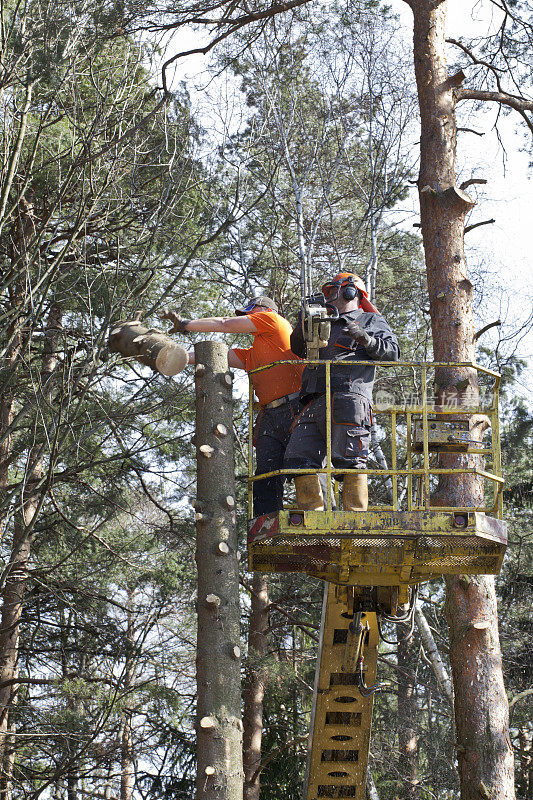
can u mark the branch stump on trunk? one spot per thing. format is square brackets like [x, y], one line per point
[218, 671]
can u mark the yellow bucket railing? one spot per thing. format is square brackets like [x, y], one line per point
[410, 411]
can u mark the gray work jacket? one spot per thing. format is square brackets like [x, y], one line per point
[356, 379]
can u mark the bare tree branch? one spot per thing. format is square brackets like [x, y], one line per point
[519, 104]
[478, 225]
[486, 328]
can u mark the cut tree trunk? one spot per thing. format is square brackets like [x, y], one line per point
[218, 666]
[149, 346]
[481, 710]
[254, 687]
[407, 718]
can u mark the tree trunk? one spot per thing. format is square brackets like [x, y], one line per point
[149, 346]
[524, 786]
[6, 783]
[15, 583]
[481, 709]
[72, 786]
[371, 791]
[219, 724]
[254, 687]
[20, 233]
[127, 775]
[432, 652]
[407, 718]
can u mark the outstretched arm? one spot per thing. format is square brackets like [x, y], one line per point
[233, 359]
[222, 325]
[209, 324]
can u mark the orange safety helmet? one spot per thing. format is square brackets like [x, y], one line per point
[351, 279]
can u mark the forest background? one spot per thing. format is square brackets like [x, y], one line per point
[118, 200]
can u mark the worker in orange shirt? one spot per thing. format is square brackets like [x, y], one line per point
[277, 389]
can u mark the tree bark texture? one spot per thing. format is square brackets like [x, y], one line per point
[371, 791]
[432, 652]
[16, 578]
[254, 687]
[524, 787]
[407, 718]
[481, 709]
[149, 346]
[20, 233]
[127, 771]
[219, 724]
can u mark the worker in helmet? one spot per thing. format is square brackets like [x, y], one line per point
[277, 389]
[359, 333]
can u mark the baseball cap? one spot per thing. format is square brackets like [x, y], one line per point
[262, 300]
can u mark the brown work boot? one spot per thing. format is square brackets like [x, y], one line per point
[308, 494]
[355, 492]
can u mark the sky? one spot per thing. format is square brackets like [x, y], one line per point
[502, 249]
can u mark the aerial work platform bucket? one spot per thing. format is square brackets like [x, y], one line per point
[407, 535]
[377, 548]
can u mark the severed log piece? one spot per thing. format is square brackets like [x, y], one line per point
[149, 346]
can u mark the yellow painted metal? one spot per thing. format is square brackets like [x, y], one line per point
[497, 458]
[382, 547]
[386, 548]
[409, 465]
[425, 429]
[393, 460]
[341, 718]
[415, 364]
[417, 472]
[328, 435]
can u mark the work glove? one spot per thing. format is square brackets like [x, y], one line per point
[178, 323]
[354, 330]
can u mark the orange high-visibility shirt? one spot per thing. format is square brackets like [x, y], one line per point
[272, 342]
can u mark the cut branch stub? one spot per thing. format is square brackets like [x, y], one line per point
[472, 181]
[236, 652]
[451, 197]
[213, 600]
[208, 723]
[206, 450]
[223, 548]
[479, 224]
[220, 430]
[229, 502]
[148, 346]
[209, 770]
[455, 80]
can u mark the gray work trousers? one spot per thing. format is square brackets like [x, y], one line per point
[351, 421]
[272, 431]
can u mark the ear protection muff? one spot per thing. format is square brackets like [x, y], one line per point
[350, 292]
